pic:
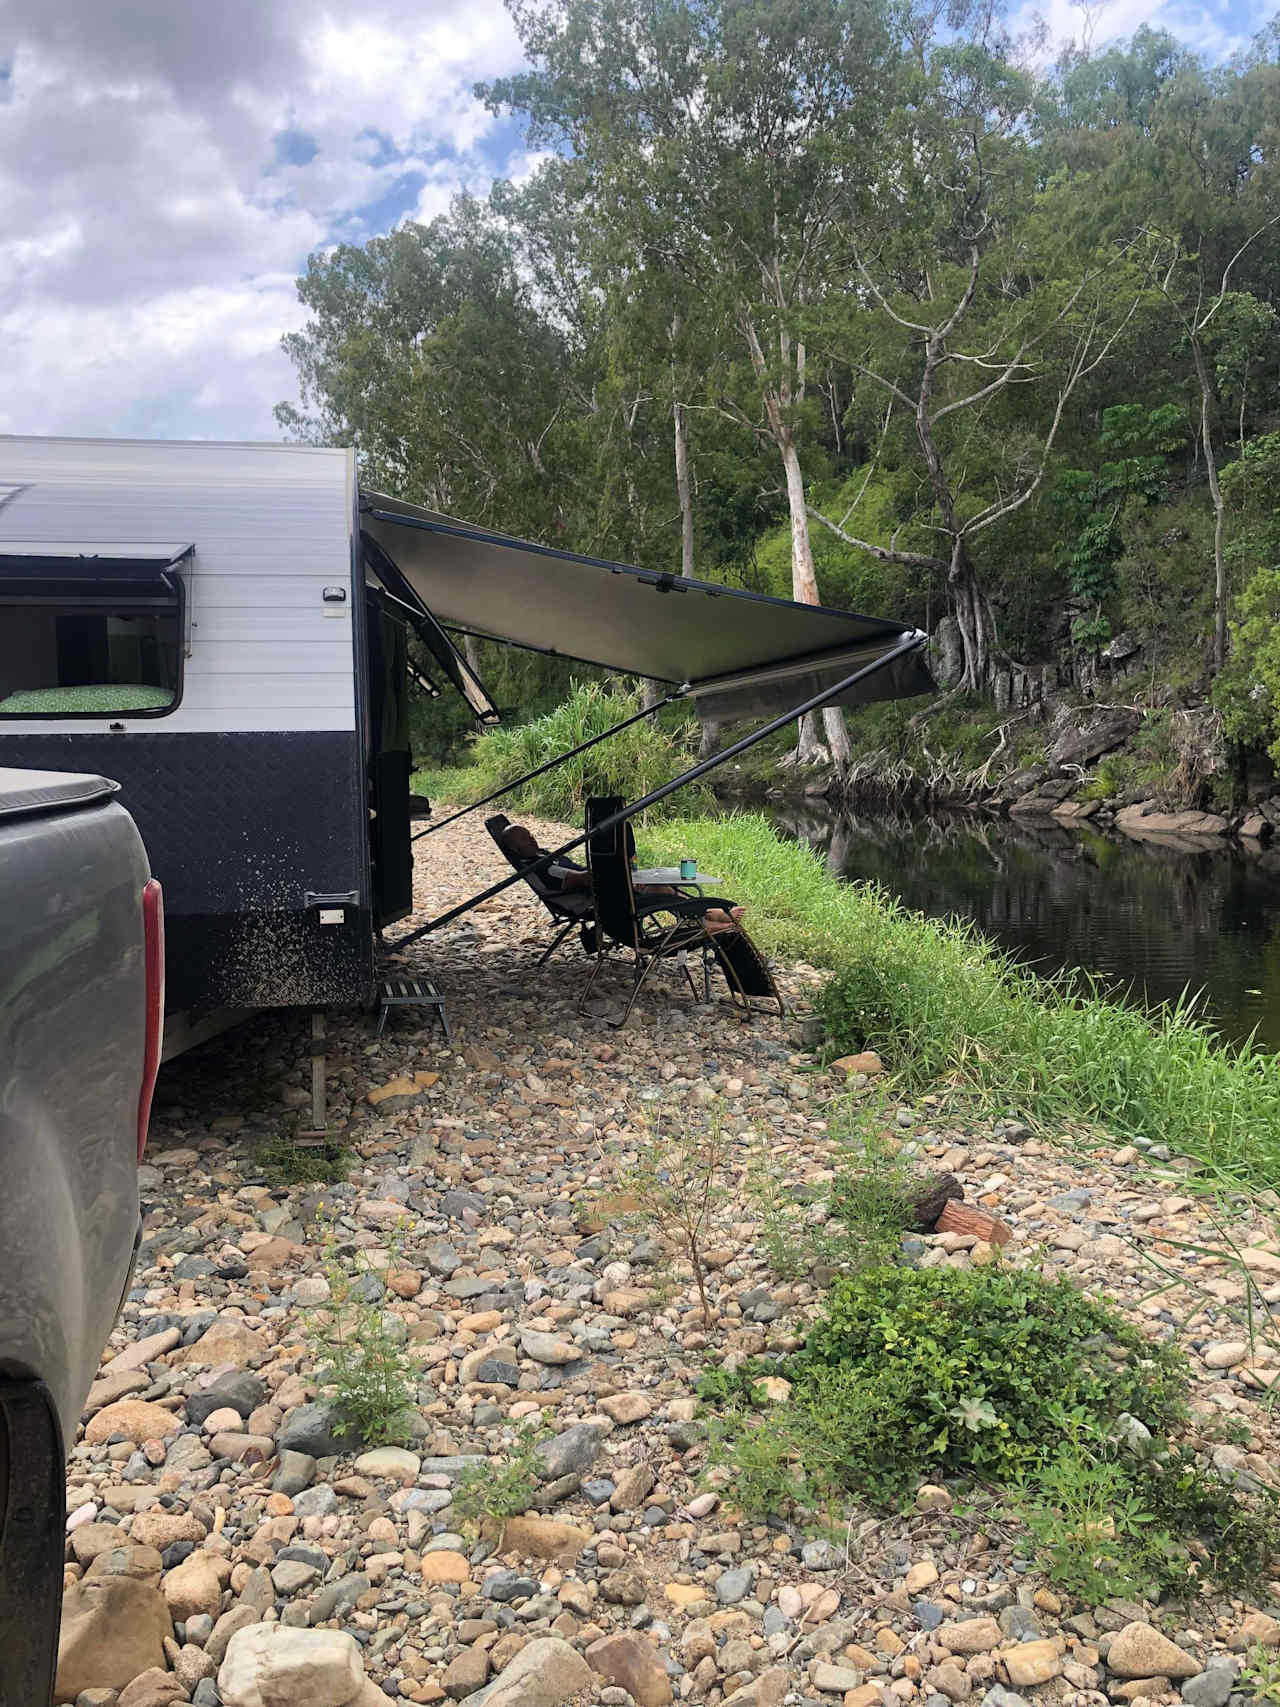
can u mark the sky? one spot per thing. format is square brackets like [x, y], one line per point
[166, 167]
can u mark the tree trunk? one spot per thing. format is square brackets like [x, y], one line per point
[683, 489]
[804, 589]
[1219, 508]
[973, 617]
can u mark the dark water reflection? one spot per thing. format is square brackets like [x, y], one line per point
[1151, 919]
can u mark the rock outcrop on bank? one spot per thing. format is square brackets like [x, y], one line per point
[227, 1543]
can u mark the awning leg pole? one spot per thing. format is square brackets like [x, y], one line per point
[911, 643]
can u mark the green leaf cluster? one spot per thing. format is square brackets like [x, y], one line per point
[994, 1376]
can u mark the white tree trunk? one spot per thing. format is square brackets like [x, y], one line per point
[804, 589]
[1219, 507]
[684, 489]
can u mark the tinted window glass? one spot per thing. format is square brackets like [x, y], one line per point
[95, 651]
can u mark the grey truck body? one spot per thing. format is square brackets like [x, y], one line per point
[72, 1051]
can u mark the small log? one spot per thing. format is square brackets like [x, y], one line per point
[979, 1223]
[929, 1197]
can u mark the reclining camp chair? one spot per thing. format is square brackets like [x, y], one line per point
[664, 926]
[571, 911]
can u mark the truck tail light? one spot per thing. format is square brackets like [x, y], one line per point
[153, 962]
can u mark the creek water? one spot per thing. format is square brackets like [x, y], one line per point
[1150, 919]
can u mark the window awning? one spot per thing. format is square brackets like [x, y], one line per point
[740, 654]
[78, 560]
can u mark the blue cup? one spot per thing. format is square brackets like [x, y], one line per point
[688, 868]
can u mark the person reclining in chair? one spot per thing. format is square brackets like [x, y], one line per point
[563, 876]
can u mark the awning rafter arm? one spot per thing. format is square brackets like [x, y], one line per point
[912, 640]
[551, 764]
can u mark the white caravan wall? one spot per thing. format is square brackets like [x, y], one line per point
[271, 525]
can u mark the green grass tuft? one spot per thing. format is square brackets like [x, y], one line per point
[941, 1004]
[631, 763]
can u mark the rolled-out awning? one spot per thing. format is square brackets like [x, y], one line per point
[739, 654]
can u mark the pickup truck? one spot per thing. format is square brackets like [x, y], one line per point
[81, 1016]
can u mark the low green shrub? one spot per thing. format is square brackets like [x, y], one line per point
[362, 1357]
[631, 763]
[490, 1493]
[992, 1376]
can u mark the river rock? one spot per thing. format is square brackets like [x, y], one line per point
[390, 1462]
[193, 1587]
[226, 1341]
[273, 1665]
[633, 1664]
[546, 1348]
[971, 1635]
[112, 1629]
[310, 1429]
[1141, 1651]
[1031, 1663]
[543, 1538]
[135, 1419]
[153, 1688]
[545, 1673]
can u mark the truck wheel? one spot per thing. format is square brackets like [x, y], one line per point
[32, 1525]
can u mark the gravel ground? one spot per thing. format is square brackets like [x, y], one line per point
[225, 1545]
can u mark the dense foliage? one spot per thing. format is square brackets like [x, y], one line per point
[835, 297]
[1000, 1377]
[631, 763]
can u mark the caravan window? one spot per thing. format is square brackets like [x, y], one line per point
[90, 649]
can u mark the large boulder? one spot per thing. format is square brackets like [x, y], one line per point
[274, 1665]
[1083, 736]
[113, 1629]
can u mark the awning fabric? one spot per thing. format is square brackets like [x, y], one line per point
[82, 561]
[741, 654]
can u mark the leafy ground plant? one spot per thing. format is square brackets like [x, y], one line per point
[490, 1493]
[983, 1375]
[860, 1219]
[363, 1356]
[1260, 1676]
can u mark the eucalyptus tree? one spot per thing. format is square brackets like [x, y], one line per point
[722, 143]
[971, 319]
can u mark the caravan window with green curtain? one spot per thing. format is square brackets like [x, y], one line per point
[80, 649]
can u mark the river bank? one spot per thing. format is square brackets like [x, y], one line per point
[484, 1202]
[1150, 772]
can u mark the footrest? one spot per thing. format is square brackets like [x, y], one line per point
[410, 992]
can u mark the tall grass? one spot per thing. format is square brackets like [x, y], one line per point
[943, 1005]
[631, 763]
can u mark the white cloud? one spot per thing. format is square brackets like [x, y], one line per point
[1215, 30]
[151, 226]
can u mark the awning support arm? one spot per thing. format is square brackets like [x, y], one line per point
[677, 693]
[911, 642]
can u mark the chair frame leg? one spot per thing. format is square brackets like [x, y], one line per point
[559, 937]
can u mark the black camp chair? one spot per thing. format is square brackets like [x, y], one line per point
[571, 911]
[664, 927]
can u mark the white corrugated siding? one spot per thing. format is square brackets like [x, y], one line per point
[271, 525]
